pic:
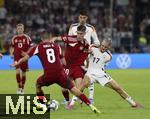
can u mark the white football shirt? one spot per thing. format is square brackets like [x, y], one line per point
[90, 35]
[98, 61]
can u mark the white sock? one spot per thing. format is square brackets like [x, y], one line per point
[130, 101]
[91, 91]
[74, 99]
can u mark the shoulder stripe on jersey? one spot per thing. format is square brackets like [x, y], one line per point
[75, 24]
[36, 50]
[28, 39]
[109, 53]
[89, 25]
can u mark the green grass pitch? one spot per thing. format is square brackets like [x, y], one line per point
[135, 82]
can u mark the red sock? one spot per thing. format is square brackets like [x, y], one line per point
[18, 80]
[23, 81]
[41, 97]
[40, 93]
[66, 94]
[84, 99]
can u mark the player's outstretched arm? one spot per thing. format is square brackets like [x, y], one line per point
[108, 58]
[90, 47]
[23, 53]
[58, 38]
[25, 58]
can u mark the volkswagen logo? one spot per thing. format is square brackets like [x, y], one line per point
[123, 61]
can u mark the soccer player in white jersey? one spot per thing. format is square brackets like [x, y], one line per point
[96, 71]
[91, 35]
[91, 38]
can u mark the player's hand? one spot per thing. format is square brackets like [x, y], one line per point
[14, 64]
[52, 40]
[12, 56]
[64, 38]
[90, 47]
[1, 55]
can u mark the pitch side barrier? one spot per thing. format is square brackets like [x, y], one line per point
[119, 61]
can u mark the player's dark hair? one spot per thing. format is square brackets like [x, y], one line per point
[45, 35]
[81, 28]
[83, 12]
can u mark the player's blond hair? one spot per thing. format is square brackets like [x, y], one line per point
[108, 40]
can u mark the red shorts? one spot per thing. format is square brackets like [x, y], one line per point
[75, 72]
[58, 78]
[23, 66]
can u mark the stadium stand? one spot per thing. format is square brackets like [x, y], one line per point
[130, 32]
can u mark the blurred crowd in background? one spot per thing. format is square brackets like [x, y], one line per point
[128, 23]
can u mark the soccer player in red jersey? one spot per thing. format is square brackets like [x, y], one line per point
[20, 44]
[90, 36]
[49, 54]
[76, 53]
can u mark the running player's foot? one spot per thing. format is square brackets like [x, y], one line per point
[91, 100]
[94, 109]
[64, 102]
[19, 91]
[40, 107]
[69, 107]
[80, 101]
[138, 105]
[22, 91]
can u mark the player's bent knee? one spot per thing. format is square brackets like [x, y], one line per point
[17, 71]
[79, 85]
[75, 91]
[78, 82]
[23, 73]
[86, 83]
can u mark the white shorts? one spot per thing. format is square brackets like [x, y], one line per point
[99, 79]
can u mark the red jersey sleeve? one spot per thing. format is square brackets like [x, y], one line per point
[69, 39]
[13, 41]
[29, 41]
[33, 51]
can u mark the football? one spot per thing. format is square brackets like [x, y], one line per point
[53, 105]
[41, 107]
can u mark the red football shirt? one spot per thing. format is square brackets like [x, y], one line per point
[75, 52]
[20, 43]
[49, 55]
